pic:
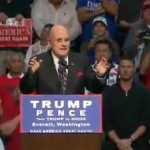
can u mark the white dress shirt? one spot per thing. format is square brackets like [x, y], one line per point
[56, 61]
[43, 12]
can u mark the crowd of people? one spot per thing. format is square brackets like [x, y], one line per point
[81, 47]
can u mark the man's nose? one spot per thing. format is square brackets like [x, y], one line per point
[63, 43]
[125, 69]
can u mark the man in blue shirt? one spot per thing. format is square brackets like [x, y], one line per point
[89, 9]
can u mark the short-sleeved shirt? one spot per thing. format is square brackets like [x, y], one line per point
[10, 109]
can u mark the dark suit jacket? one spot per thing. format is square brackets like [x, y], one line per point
[46, 81]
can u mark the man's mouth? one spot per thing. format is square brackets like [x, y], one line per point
[63, 49]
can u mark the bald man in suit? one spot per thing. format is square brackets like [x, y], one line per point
[43, 73]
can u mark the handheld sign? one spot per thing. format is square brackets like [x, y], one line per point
[16, 34]
[61, 114]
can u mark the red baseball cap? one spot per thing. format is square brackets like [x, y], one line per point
[146, 5]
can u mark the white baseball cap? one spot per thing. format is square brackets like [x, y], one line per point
[100, 19]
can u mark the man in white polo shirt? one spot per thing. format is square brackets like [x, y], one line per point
[56, 12]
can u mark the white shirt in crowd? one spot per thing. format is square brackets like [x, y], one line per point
[43, 12]
[35, 49]
[1, 145]
[74, 1]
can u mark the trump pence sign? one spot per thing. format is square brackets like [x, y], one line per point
[61, 114]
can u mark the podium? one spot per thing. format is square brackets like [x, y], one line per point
[34, 139]
[61, 141]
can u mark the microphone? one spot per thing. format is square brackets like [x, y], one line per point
[63, 63]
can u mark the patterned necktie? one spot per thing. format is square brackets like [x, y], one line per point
[62, 74]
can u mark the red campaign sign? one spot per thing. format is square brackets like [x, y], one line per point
[16, 35]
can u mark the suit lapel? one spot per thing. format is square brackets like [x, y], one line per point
[71, 73]
[52, 74]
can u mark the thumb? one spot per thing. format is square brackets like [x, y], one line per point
[96, 62]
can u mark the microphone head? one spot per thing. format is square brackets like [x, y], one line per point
[63, 63]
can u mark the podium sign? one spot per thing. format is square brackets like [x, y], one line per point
[61, 114]
[14, 34]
